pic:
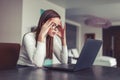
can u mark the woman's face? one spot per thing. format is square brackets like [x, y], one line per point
[53, 30]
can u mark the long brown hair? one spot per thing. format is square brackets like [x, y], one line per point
[46, 15]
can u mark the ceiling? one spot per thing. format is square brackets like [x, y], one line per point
[80, 10]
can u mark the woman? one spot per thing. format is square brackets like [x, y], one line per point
[48, 39]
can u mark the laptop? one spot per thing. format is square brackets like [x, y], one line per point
[85, 60]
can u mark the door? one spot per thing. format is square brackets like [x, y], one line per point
[117, 46]
[111, 43]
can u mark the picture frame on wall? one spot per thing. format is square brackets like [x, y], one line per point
[89, 35]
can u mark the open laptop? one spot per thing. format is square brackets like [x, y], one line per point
[86, 57]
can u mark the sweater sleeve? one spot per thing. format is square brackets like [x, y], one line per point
[36, 54]
[60, 51]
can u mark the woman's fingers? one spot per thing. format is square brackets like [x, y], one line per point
[45, 28]
[49, 23]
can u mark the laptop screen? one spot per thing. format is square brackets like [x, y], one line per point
[88, 53]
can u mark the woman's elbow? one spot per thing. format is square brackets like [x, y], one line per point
[38, 63]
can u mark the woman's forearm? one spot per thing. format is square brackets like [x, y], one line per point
[38, 58]
[63, 40]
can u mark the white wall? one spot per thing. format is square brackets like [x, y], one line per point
[10, 20]
[31, 13]
[88, 29]
[115, 23]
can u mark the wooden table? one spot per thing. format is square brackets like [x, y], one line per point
[93, 73]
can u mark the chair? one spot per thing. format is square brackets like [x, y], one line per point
[73, 55]
[9, 53]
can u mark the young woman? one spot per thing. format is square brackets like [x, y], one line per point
[48, 39]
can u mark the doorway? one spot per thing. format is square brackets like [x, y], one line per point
[111, 42]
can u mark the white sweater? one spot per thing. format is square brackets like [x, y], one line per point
[31, 55]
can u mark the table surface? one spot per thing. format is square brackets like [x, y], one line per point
[93, 73]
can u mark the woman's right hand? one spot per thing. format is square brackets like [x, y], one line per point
[44, 30]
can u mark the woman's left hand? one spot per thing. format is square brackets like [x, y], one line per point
[61, 31]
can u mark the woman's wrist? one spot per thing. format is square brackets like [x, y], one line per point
[41, 39]
[63, 41]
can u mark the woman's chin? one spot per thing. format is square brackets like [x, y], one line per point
[52, 35]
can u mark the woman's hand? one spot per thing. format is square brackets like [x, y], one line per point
[44, 30]
[62, 33]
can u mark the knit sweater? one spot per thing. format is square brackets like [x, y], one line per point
[31, 55]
